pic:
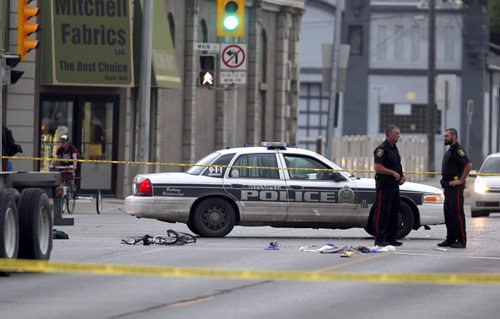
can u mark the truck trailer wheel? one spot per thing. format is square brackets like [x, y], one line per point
[35, 221]
[9, 225]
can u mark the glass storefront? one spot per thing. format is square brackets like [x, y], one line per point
[90, 123]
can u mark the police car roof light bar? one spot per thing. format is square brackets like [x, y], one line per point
[274, 145]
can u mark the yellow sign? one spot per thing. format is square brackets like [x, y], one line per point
[410, 96]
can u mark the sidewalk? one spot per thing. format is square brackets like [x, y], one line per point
[85, 205]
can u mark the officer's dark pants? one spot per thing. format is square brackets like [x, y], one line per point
[454, 215]
[386, 212]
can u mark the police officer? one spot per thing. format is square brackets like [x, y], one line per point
[388, 177]
[455, 169]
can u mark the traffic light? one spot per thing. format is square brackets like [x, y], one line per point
[11, 76]
[230, 18]
[207, 74]
[25, 28]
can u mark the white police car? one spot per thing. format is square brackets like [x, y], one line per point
[276, 186]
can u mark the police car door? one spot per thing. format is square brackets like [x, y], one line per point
[317, 196]
[261, 193]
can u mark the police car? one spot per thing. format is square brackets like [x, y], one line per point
[275, 186]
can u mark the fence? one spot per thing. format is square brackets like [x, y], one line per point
[355, 152]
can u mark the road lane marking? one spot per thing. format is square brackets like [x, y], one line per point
[190, 302]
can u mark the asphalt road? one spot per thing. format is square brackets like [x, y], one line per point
[96, 239]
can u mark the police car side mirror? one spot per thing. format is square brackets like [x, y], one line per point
[337, 177]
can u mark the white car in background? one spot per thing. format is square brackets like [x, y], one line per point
[273, 186]
[485, 198]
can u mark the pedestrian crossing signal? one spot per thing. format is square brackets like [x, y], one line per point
[207, 78]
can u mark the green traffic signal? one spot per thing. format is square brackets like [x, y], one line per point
[231, 23]
[230, 18]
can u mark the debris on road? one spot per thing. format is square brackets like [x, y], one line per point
[59, 234]
[172, 238]
[333, 249]
[273, 246]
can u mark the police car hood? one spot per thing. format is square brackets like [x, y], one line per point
[407, 186]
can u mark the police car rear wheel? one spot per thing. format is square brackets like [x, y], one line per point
[191, 227]
[214, 217]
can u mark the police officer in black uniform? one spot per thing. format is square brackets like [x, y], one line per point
[455, 169]
[388, 177]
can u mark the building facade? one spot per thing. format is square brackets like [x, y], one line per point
[56, 96]
[387, 72]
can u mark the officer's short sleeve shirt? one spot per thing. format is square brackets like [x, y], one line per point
[388, 156]
[454, 161]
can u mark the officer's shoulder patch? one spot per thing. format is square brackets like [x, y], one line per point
[461, 153]
[379, 152]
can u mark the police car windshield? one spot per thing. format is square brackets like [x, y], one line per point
[196, 170]
[491, 166]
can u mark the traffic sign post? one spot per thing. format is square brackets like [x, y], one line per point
[233, 56]
[232, 63]
[233, 77]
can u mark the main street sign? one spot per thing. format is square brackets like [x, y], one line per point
[208, 47]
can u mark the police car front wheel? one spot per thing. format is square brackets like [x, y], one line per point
[214, 217]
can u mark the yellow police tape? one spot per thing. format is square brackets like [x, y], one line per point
[14, 265]
[27, 158]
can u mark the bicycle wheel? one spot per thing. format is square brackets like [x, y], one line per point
[98, 202]
[62, 205]
[70, 202]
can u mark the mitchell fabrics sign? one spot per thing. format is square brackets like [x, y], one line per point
[89, 42]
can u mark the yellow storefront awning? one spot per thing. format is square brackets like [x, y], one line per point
[165, 72]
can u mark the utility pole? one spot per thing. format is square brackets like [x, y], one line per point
[232, 106]
[332, 105]
[2, 72]
[431, 86]
[144, 101]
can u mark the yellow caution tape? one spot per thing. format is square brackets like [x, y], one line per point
[27, 158]
[130, 270]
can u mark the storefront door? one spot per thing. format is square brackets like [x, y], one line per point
[90, 123]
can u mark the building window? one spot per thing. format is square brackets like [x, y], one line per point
[355, 39]
[313, 114]
[381, 45]
[171, 24]
[449, 41]
[263, 57]
[410, 118]
[415, 43]
[204, 31]
[399, 43]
